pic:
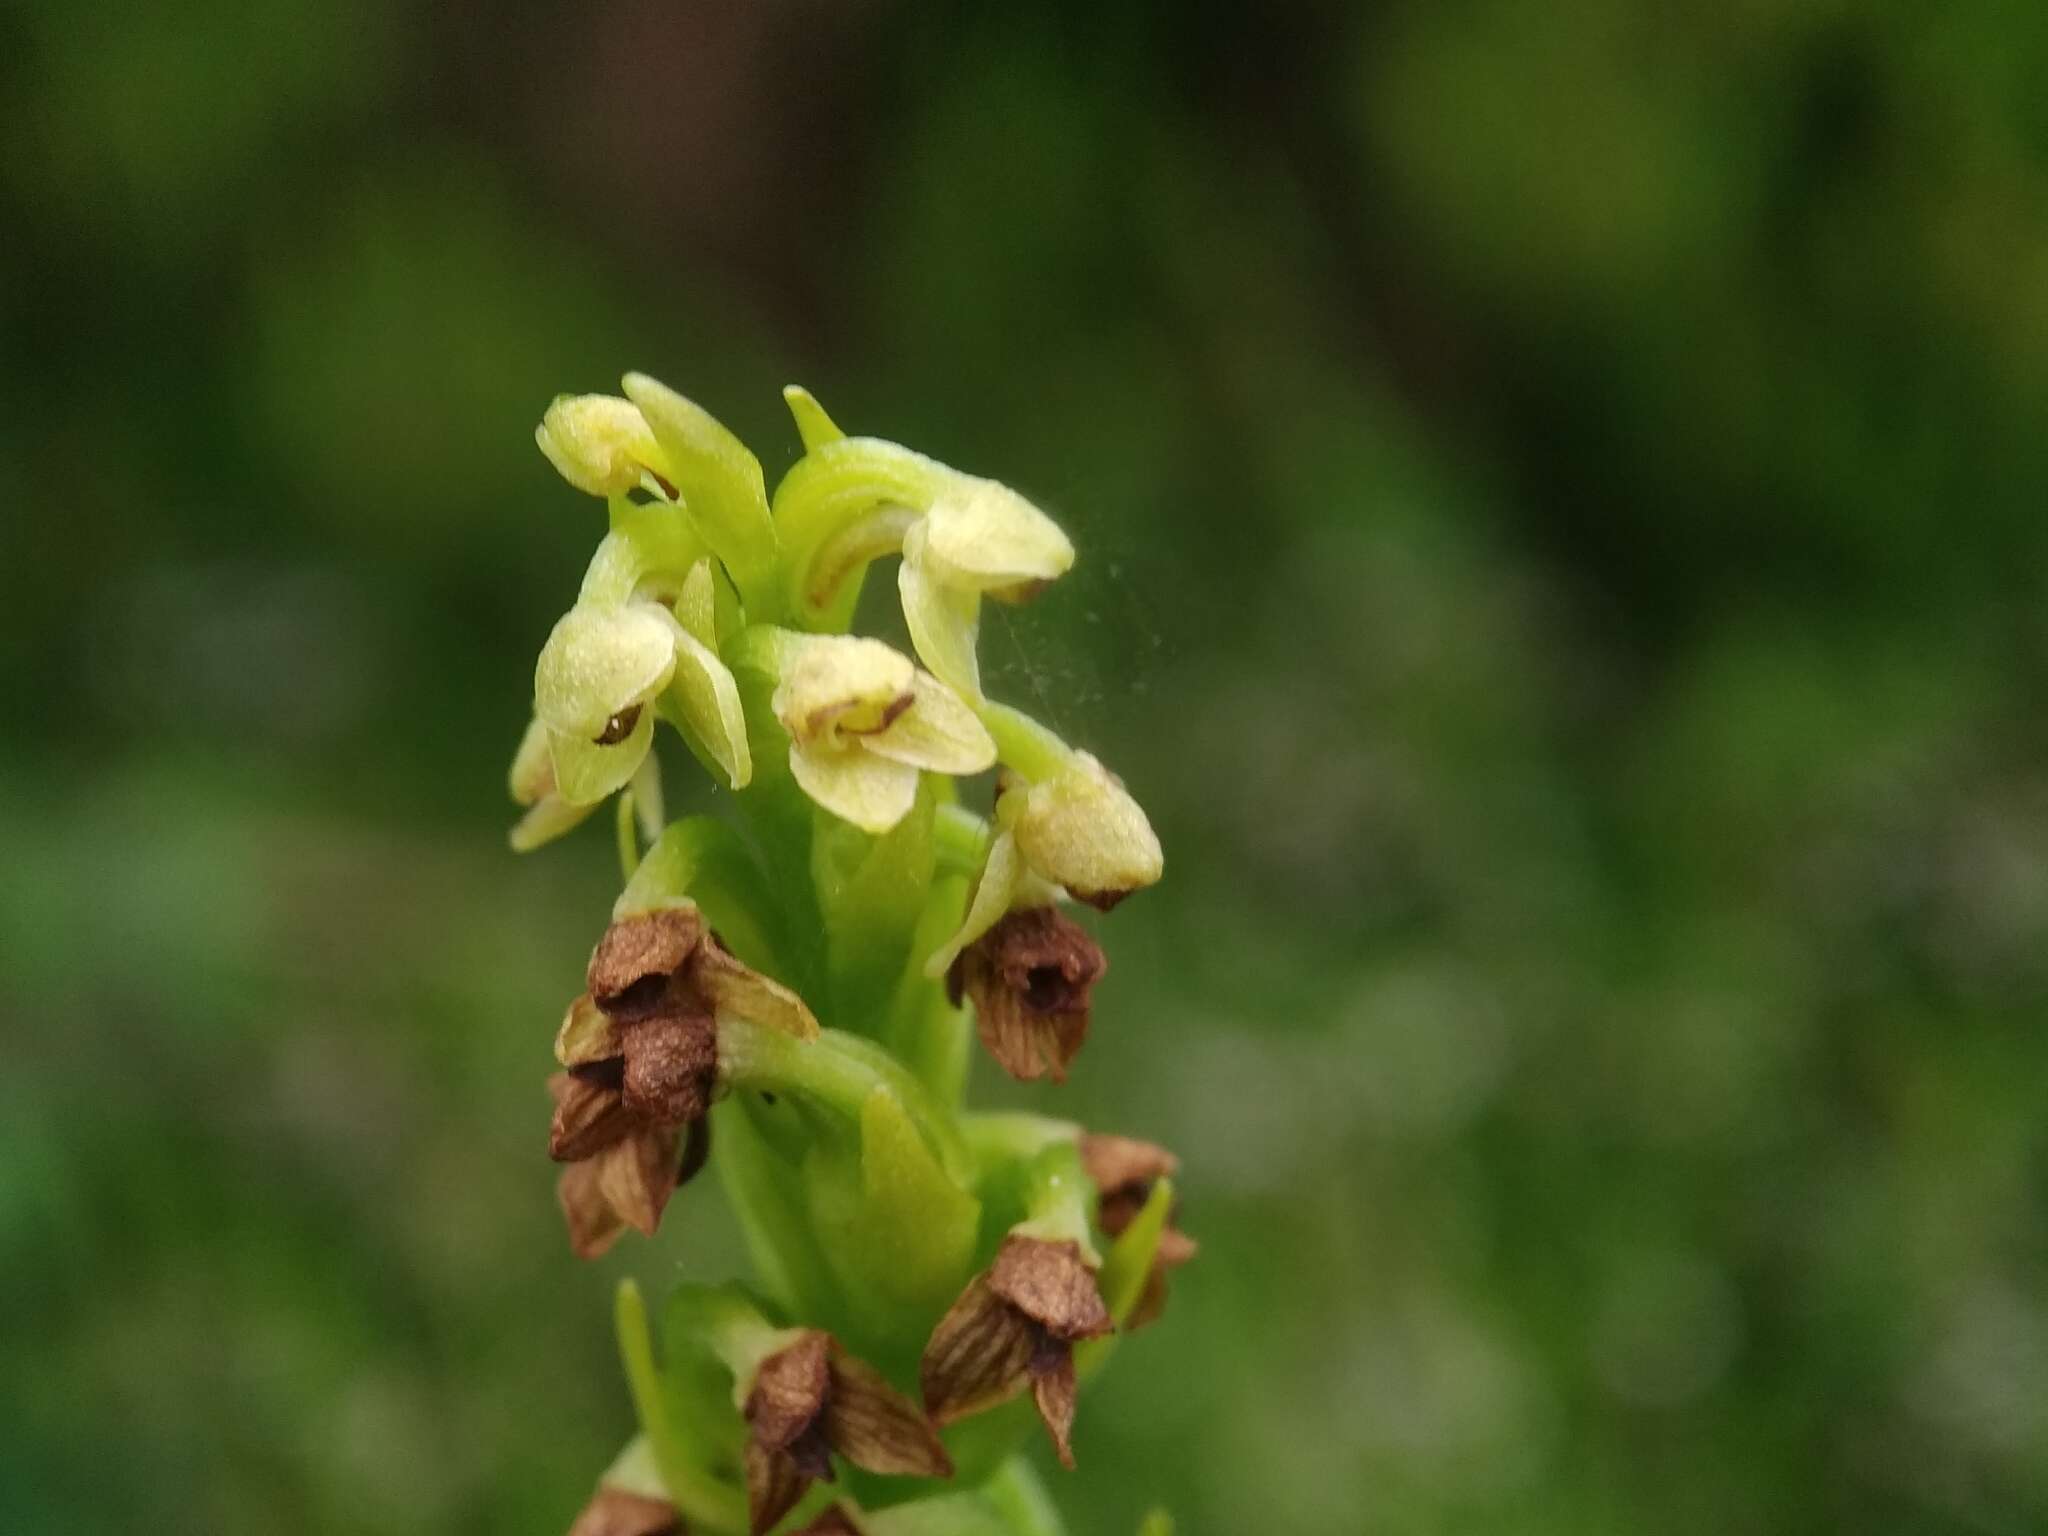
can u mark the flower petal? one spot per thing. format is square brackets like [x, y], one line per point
[938, 732]
[979, 1355]
[719, 478]
[812, 424]
[876, 1427]
[697, 604]
[1000, 877]
[737, 991]
[854, 784]
[586, 1034]
[599, 662]
[545, 821]
[708, 699]
[943, 620]
[532, 778]
[986, 537]
[841, 682]
[586, 771]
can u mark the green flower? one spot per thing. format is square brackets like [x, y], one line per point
[852, 500]
[863, 722]
[606, 669]
[979, 538]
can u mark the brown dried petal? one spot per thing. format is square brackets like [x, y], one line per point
[978, 1355]
[774, 1484]
[1054, 1389]
[876, 1427]
[1175, 1249]
[614, 1512]
[637, 1175]
[594, 1225]
[1030, 977]
[789, 1390]
[587, 1035]
[1049, 1284]
[671, 1066]
[589, 1114]
[786, 1448]
[1125, 1164]
[633, 964]
[730, 987]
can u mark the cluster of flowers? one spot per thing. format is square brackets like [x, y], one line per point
[991, 1258]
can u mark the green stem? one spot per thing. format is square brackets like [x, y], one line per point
[1013, 1136]
[628, 840]
[1022, 743]
[836, 1071]
[1059, 1199]
[1019, 1495]
[703, 1500]
[960, 839]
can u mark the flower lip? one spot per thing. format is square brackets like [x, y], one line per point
[843, 683]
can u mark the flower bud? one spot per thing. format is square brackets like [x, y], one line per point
[601, 444]
[1082, 830]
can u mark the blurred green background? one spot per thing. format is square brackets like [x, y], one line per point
[1560, 495]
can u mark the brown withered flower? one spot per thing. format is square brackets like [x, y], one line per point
[615, 1512]
[811, 1398]
[1030, 977]
[1015, 1326]
[641, 1053]
[1123, 1170]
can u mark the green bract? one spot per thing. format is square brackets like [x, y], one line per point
[920, 1270]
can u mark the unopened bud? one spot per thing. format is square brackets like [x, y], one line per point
[601, 444]
[1081, 829]
[985, 537]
